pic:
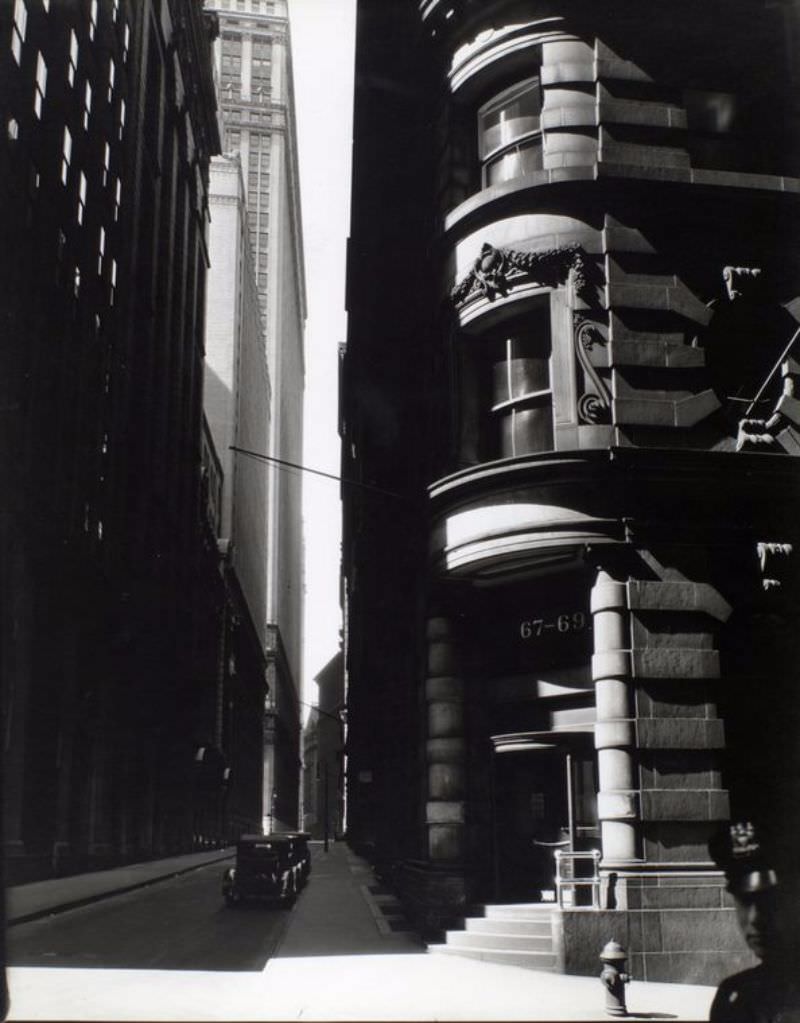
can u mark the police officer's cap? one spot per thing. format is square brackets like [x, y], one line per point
[738, 850]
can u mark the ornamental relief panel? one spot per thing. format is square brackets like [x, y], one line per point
[594, 398]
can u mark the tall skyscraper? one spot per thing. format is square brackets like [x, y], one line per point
[108, 665]
[253, 66]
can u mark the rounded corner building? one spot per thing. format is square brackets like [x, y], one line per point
[568, 400]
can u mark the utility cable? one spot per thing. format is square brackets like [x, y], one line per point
[318, 472]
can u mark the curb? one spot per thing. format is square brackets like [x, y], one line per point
[87, 900]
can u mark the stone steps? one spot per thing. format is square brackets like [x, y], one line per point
[543, 961]
[509, 925]
[500, 938]
[516, 935]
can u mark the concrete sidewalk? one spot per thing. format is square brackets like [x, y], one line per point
[337, 962]
[346, 954]
[41, 898]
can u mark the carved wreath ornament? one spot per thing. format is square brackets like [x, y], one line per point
[494, 271]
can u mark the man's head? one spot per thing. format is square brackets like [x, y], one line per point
[760, 920]
[753, 881]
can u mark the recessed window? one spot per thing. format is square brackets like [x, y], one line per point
[18, 29]
[101, 251]
[92, 19]
[506, 398]
[117, 198]
[82, 188]
[126, 41]
[509, 133]
[112, 71]
[72, 70]
[121, 118]
[41, 86]
[112, 282]
[106, 162]
[521, 399]
[66, 155]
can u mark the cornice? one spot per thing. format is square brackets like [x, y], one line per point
[523, 192]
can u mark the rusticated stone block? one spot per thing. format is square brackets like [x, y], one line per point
[444, 811]
[446, 842]
[680, 733]
[645, 595]
[674, 897]
[445, 720]
[655, 353]
[438, 628]
[682, 804]
[444, 688]
[693, 931]
[442, 659]
[446, 751]
[608, 594]
[612, 664]
[663, 662]
[446, 781]
[558, 50]
[616, 806]
[707, 968]
[613, 734]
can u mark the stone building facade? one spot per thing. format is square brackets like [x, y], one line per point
[568, 393]
[108, 564]
[323, 755]
[253, 69]
[237, 398]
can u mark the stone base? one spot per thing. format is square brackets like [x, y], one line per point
[690, 946]
[435, 897]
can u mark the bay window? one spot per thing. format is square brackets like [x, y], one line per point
[509, 133]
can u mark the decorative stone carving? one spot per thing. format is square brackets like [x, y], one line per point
[739, 280]
[496, 271]
[775, 561]
[594, 405]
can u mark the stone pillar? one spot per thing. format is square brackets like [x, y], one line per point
[446, 746]
[618, 797]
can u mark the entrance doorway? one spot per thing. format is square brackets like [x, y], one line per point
[544, 800]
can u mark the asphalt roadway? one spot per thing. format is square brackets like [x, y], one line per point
[179, 924]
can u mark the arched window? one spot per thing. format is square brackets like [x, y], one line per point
[509, 133]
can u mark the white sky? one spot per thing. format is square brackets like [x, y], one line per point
[322, 51]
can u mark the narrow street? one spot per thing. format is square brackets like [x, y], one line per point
[174, 951]
[179, 924]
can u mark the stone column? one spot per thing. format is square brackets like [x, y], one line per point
[446, 746]
[618, 798]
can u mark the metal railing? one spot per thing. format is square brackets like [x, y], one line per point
[567, 884]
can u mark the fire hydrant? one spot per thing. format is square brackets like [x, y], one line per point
[614, 978]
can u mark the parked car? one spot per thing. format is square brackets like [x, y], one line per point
[271, 867]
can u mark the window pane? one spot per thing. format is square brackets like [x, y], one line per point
[520, 366]
[514, 114]
[523, 159]
[526, 431]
